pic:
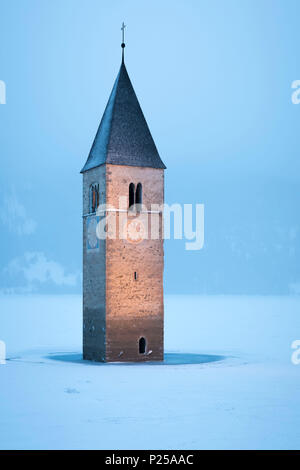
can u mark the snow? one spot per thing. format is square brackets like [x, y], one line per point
[228, 381]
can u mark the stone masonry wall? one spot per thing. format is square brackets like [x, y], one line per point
[117, 308]
[93, 277]
[134, 307]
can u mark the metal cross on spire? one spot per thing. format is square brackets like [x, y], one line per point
[123, 39]
[123, 30]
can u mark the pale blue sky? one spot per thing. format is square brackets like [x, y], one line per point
[214, 81]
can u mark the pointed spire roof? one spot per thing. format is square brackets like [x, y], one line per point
[123, 137]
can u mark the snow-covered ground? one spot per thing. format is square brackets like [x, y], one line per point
[227, 382]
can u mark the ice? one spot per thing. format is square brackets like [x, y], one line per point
[227, 382]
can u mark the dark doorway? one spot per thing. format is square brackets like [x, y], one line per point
[142, 346]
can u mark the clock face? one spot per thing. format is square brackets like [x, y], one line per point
[135, 231]
[92, 239]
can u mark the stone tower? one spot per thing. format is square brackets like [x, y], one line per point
[123, 311]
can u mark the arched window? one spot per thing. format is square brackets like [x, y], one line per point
[139, 194]
[131, 195]
[142, 346]
[94, 197]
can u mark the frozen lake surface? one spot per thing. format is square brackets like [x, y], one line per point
[227, 381]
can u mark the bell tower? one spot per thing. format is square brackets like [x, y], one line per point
[123, 180]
